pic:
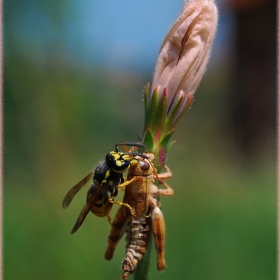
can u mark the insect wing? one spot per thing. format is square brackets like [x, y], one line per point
[69, 196]
[83, 214]
[93, 197]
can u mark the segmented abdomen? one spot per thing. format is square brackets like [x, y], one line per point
[99, 199]
[137, 239]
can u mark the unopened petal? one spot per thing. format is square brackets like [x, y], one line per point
[186, 48]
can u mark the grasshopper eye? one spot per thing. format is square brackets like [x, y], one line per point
[144, 165]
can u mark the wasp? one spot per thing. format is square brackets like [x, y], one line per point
[107, 176]
[141, 194]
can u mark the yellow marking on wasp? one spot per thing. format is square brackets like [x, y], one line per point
[107, 175]
[115, 155]
[126, 157]
[133, 162]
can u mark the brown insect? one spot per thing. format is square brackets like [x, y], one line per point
[141, 195]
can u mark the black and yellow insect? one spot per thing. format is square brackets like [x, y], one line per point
[106, 178]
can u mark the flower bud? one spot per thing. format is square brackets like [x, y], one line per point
[181, 64]
[185, 51]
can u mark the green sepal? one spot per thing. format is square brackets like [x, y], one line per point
[158, 121]
[166, 138]
[169, 145]
[152, 110]
[148, 139]
[173, 113]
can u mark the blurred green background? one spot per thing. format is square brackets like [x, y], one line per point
[61, 117]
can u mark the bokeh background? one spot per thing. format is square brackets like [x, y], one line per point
[74, 72]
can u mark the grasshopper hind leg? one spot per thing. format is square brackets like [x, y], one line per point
[117, 231]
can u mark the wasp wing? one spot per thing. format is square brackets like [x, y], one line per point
[69, 196]
[82, 216]
[90, 202]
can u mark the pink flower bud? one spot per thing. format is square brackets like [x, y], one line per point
[185, 51]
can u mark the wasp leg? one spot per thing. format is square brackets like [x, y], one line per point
[117, 231]
[158, 226]
[124, 204]
[121, 186]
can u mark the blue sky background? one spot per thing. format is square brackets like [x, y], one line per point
[127, 34]
[122, 35]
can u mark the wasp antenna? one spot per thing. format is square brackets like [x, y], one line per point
[138, 144]
[138, 154]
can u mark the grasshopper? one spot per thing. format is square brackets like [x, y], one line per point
[141, 195]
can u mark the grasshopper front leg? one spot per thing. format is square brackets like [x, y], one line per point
[166, 175]
[166, 192]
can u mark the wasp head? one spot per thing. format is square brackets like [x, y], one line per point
[118, 161]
